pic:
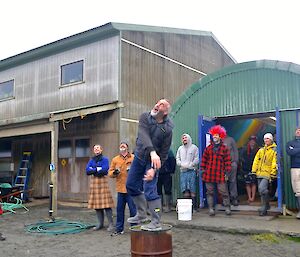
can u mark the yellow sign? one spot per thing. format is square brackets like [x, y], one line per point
[63, 162]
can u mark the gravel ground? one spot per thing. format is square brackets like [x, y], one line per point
[89, 243]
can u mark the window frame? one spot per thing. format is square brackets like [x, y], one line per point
[61, 85]
[13, 90]
[88, 148]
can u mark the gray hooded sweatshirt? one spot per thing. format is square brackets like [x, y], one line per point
[187, 156]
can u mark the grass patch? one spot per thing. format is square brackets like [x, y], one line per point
[267, 237]
[294, 239]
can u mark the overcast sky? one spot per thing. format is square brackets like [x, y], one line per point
[248, 29]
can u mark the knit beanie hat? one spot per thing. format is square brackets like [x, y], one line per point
[268, 135]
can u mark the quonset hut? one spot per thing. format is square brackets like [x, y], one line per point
[249, 98]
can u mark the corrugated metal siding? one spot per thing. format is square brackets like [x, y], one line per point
[37, 83]
[254, 87]
[242, 89]
[147, 77]
[288, 126]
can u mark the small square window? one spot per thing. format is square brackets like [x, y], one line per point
[64, 149]
[72, 73]
[7, 89]
[82, 148]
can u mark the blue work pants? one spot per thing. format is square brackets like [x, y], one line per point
[122, 199]
[135, 180]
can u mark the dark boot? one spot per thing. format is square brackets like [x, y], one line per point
[211, 207]
[141, 210]
[195, 207]
[108, 212]
[100, 218]
[155, 210]
[298, 201]
[262, 211]
[168, 207]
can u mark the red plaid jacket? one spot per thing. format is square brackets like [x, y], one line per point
[215, 164]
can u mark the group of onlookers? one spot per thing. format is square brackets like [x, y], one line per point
[219, 167]
[144, 179]
[145, 182]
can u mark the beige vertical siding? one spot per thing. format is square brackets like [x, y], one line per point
[37, 84]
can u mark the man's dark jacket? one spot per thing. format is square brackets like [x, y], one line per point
[153, 136]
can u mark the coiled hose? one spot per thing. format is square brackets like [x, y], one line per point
[58, 227]
[10, 207]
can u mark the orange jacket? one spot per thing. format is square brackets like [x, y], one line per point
[122, 163]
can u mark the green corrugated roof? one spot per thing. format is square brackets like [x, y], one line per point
[89, 36]
[240, 74]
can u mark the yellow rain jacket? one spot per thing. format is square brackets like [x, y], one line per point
[265, 162]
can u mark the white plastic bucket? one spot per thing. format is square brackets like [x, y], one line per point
[184, 209]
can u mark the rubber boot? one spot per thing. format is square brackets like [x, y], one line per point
[155, 210]
[108, 212]
[298, 201]
[262, 211]
[141, 210]
[226, 203]
[162, 204]
[168, 207]
[195, 207]
[100, 217]
[210, 202]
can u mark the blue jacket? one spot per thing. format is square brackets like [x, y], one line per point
[293, 149]
[153, 136]
[98, 166]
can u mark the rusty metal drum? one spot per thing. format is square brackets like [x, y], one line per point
[151, 243]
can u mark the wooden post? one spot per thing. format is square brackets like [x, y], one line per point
[54, 147]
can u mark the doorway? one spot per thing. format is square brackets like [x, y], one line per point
[240, 128]
[73, 155]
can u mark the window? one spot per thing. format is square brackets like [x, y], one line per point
[64, 149]
[82, 148]
[5, 149]
[72, 73]
[7, 89]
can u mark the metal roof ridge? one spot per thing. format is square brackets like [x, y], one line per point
[152, 28]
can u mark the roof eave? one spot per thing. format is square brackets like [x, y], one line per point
[61, 45]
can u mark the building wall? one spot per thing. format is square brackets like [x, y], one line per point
[288, 126]
[146, 77]
[37, 83]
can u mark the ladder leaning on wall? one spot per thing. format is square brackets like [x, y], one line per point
[23, 175]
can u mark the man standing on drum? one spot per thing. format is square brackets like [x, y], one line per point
[152, 147]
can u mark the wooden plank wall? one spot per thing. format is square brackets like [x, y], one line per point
[145, 77]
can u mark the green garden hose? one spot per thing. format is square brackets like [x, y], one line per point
[10, 207]
[57, 227]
